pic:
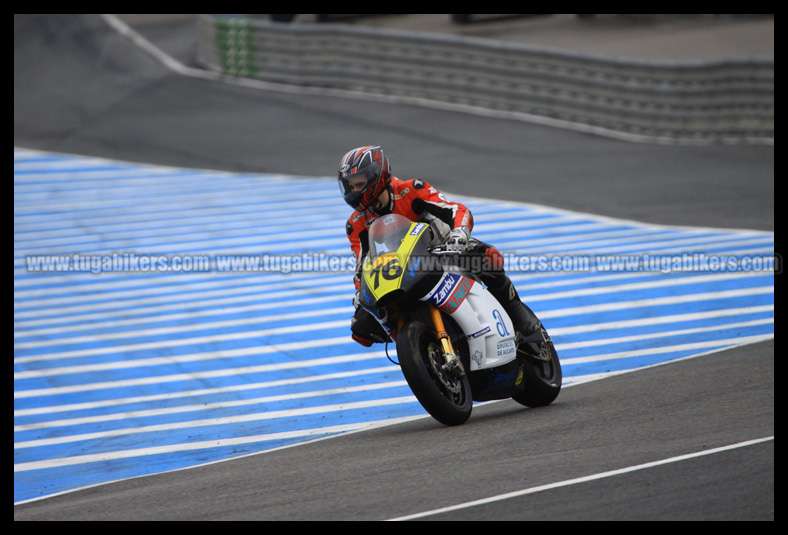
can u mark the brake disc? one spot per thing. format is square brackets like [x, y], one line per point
[434, 355]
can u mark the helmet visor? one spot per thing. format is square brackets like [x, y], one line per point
[354, 183]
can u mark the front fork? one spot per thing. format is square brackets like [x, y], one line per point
[453, 364]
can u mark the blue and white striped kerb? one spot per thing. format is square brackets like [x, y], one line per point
[121, 375]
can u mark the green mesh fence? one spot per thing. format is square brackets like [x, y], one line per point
[235, 43]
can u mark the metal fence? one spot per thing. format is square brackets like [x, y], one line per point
[730, 101]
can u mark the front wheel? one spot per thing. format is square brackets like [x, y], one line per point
[448, 399]
[541, 380]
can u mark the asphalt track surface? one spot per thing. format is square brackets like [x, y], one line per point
[98, 95]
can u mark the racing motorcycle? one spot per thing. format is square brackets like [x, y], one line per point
[455, 342]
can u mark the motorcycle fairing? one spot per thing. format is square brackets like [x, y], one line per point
[489, 330]
[384, 274]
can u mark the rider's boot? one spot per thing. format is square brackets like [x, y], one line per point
[366, 329]
[532, 338]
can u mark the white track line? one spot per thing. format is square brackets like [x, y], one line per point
[114, 323]
[156, 229]
[333, 432]
[341, 340]
[593, 477]
[49, 409]
[680, 281]
[148, 227]
[557, 331]
[22, 332]
[589, 238]
[269, 384]
[618, 305]
[86, 162]
[290, 329]
[665, 334]
[261, 321]
[672, 300]
[534, 209]
[258, 243]
[201, 299]
[251, 232]
[667, 349]
[242, 352]
[49, 372]
[201, 357]
[259, 292]
[192, 446]
[139, 282]
[320, 408]
[224, 420]
[657, 320]
[207, 406]
[202, 302]
[196, 376]
[250, 210]
[363, 388]
[130, 336]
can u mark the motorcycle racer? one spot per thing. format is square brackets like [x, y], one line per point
[367, 185]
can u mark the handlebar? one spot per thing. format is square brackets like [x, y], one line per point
[441, 250]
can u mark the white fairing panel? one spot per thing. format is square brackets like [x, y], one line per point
[483, 320]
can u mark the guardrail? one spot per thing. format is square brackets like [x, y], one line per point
[723, 101]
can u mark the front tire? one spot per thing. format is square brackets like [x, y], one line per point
[447, 399]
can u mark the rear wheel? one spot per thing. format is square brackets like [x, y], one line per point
[541, 380]
[446, 397]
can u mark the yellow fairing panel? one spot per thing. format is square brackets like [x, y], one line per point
[384, 274]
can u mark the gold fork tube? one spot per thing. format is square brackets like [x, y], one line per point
[440, 330]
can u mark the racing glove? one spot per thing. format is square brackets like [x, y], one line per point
[356, 299]
[457, 240]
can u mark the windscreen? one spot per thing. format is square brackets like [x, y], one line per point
[386, 234]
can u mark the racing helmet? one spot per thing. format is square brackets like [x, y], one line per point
[365, 165]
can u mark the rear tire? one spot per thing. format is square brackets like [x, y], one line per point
[416, 346]
[541, 380]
